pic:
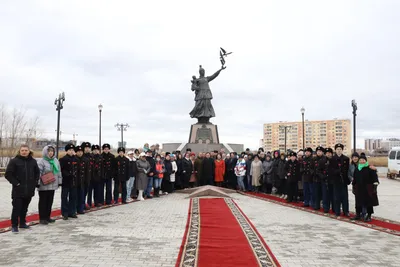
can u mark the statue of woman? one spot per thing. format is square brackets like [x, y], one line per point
[203, 109]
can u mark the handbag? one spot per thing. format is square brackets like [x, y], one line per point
[48, 178]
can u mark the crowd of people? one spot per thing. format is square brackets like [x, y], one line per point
[86, 174]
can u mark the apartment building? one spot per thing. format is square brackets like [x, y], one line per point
[326, 133]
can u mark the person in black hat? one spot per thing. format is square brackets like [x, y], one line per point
[331, 172]
[88, 183]
[292, 170]
[307, 170]
[69, 170]
[121, 175]
[365, 185]
[318, 177]
[97, 178]
[81, 178]
[108, 174]
[340, 189]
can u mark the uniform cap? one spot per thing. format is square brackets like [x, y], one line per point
[69, 146]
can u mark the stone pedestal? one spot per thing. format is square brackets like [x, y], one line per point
[203, 133]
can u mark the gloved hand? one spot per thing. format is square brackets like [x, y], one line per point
[375, 188]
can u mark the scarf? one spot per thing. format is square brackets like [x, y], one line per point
[360, 166]
[53, 165]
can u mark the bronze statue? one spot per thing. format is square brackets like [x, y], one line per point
[203, 109]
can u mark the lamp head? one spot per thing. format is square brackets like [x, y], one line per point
[302, 110]
[100, 107]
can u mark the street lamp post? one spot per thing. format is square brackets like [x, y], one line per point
[303, 110]
[100, 109]
[59, 106]
[122, 127]
[286, 129]
[354, 105]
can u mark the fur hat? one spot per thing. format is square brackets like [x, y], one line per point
[69, 146]
[106, 146]
[339, 145]
[330, 150]
[121, 149]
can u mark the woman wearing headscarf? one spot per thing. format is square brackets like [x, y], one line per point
[256, 173]
[143, 168]
[48, 165]
[365, 183]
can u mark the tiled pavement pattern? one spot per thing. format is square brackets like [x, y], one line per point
[5, 200]
[147, 233]
[299, 238]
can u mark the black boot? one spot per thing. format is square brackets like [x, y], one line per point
[367, 218]
[357, 217]
[157, 192]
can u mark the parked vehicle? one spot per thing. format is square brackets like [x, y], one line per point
[394, 163]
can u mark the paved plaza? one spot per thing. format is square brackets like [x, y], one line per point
[149, 233]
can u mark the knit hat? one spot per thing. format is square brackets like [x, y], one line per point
[355, 154]
[363, 156]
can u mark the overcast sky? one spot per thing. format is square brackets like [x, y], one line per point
[137, 59]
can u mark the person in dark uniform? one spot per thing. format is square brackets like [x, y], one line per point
[108, 172]
[340, 187]
[318, 177]
[208, 170]
[69, 170]
[121, 175]
[331, 172]
[292, 170]
[97, 176]
[307, 170]
[82, 177]
[88, 188]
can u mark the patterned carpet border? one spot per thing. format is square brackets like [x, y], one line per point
[261, 250]
[332, 216]
[188, 255]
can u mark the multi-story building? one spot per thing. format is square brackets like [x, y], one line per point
[372, 144]
[326, 133]
[390, 143]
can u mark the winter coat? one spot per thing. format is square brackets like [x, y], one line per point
[82, 174]
[174, 171]
[90, 163]
[219, 171]
[292, 169]
[256, 172]
[350, 173]
[329, 168]
[198, 168]
[208, 169]
[167, 170]
[364, 188]
[143, 167]
[132, 169]
[45, 167]
[248, 166]
[23, 173]
[121, 169]
[307, 169]
[152, 163]
[97, 168]
[240, 168]
[108, 165]
[318, 170]
[69, 170]
[267, 171]
[343, 163]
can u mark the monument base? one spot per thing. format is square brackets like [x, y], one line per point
[203, 137]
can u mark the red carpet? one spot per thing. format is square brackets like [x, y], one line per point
[219, 234]
[376, 223]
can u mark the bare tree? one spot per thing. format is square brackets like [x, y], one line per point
[3, 134]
